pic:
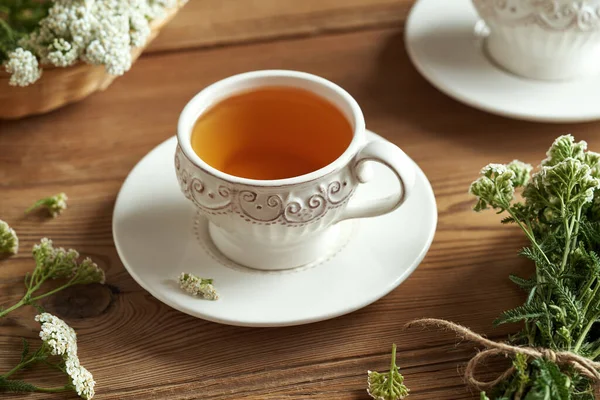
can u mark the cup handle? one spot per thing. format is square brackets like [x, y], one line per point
[395, 159]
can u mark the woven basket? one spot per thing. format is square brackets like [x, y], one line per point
[60, 86]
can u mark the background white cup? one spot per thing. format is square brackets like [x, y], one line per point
[543, 39]
[284, 223]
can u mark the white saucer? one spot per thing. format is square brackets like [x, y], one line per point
[158, 236]
[446, 43]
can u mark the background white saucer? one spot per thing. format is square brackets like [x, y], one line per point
[158, 236]
[442, 42]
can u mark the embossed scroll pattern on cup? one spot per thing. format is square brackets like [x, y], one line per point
[553, 15]
[301, 207]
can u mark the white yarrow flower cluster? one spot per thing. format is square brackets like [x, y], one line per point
[61, 339]
[23, 67]
[82, 379]
[198, 286]
[62, 53]
[9, 241]
[99, 32]
[59, 336]
[59, 263]
[492, 168]
[54, 204]
[57, 204]
[157, 8]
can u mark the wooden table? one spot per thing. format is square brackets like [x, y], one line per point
[138, 348]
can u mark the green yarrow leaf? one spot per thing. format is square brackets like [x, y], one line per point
[549, 383]
[521, 313]
[25, 351]
[525, 284]
[15, 386]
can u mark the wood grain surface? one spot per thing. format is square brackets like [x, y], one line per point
[206, 23]
[138, 348]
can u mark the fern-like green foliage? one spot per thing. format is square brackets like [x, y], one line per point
[560, 215]
[18, 18]
[525, 284]
[527, 312]
[25, 351]
[15, 386]
[548, 382]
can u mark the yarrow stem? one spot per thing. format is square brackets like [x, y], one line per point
[51, 292]
[18, 304]
[19, 367]
[392, 367]
[60, 389]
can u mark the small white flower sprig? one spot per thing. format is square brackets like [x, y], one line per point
[55, 263]
[23, 67]
[54, 204]
[198, 286]
[9, 242]
[387, 386]
[97, 32]
[60, 340]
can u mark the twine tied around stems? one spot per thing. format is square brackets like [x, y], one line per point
[583, 365]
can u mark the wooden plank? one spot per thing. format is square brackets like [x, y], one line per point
[216, 22]
[137, 347]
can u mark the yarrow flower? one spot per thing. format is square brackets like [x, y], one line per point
[82, 379]
[495, 188]
[522, 172]
[59, 263]
[89, 272]
[99, 32]
[157, 8]
[56, 263]
[569, 177]
[564, 147]
[387, 386]
[198, 286]
[54, 204]
[9, 242]
[62, 53]
[23, 67]
[61, 340]
[57, 335]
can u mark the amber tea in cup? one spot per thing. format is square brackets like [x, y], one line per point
[271, 133]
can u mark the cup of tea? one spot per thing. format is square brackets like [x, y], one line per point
[546, 40]
[273, 158]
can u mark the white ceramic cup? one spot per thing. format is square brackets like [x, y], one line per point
[543, 39]
[284, 223]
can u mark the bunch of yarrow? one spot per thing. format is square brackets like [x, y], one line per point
[58, 347]
[560, 215]
[60, 33]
